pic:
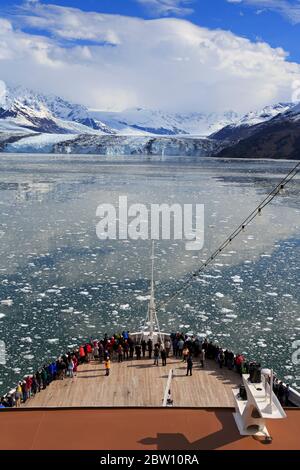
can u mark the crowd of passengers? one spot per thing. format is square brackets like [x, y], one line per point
[121, 347]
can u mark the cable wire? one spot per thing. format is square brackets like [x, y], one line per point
[257, 211]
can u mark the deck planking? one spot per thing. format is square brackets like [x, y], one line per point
[141, 384]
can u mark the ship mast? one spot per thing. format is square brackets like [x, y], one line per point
[152, 320]
[151, 308]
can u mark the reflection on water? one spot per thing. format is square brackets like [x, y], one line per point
[59, 284]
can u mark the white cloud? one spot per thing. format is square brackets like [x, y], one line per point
[288, 9]
[168, 7]
[114, 62]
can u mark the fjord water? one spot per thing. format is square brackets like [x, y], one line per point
[60, 285]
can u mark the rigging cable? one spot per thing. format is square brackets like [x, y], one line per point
[256, 212]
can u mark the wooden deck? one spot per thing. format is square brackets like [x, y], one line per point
[140, 383]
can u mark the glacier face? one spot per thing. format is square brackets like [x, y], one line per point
[149, 121]
[109, 145]
[38, 123]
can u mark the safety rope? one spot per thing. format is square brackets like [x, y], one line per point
[256, 212]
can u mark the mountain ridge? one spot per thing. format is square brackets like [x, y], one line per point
[34, 122]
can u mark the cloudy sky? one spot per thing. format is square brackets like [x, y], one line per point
[176, 55]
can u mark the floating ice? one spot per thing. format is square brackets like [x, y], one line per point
[2, 315]
[219, 294]
[237, 279]
[84, 292]
[142, 297]
[125, 307]
[27, 339]
[52, 340]
[7, 302]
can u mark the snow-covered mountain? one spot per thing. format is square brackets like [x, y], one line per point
[277, 138]
[244, 126]
[25, 110]
[35, 122]
[149, 121]
[268, 112]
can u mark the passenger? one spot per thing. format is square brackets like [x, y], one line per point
[221, 358]
[238, 363]
[189, 368]
[34, 385]
[24, 392]
[70, 368]
[175, 347]
[89, 352]
[126, 350]
[163, 355]
[202, 358]
[167, 347]
[101, 351]
[196, 347]
[131, 348]
[156, 354]
[230, 362]
[180, 345]
[75, 362]
[96, 350]
[107, 366]
[10, 400]
[3, 403]
[106, 355]
[144, 347]
[120, 353]
[39, 380]
[138, 351]
[185, 353]
[150, 347]
[81, 354]
[28, 381]
[18, 395]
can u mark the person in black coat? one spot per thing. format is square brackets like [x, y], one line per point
[138, 351]
[150, 347]
[144, 347]
[189, 362]
[163, 355]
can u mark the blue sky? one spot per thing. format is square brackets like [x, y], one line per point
[202, 40]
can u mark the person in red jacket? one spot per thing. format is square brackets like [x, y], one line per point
[89, 351]
[28, 381]
[81, 354]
